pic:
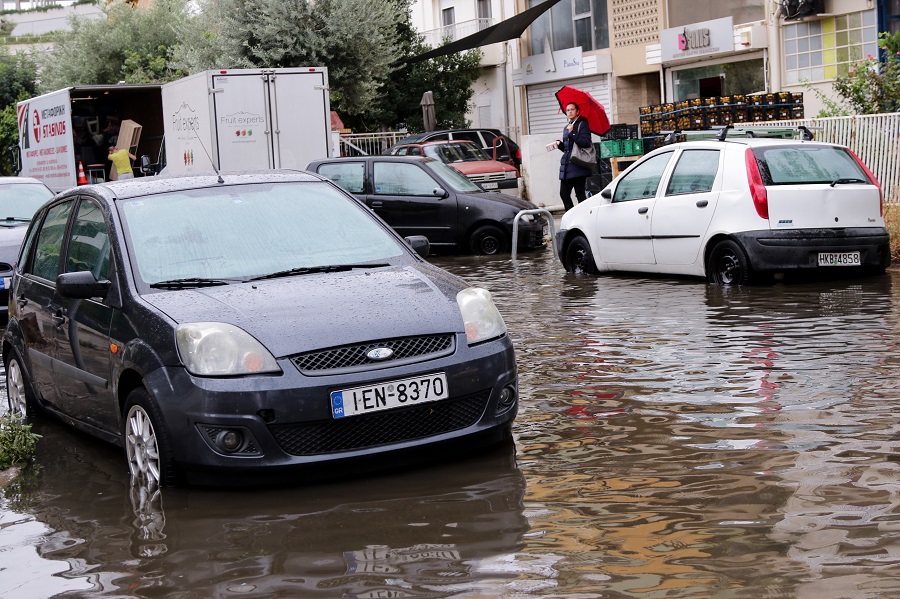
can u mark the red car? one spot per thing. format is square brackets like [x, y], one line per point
[468, 159]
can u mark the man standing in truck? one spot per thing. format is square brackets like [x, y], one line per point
[120, 158]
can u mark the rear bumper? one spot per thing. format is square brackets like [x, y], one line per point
[799, 248]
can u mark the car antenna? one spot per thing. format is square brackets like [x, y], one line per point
[220, 179]
[724, 132]
[671, 136]
[807, 134]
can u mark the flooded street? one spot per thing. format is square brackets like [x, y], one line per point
[674, 439]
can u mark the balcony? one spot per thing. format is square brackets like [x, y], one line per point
[492, 55]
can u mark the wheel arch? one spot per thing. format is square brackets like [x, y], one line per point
[712, 242]
[129, 380]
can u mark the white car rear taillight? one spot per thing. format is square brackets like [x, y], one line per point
[757, 189]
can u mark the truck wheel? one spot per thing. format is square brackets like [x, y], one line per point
[579, 259]
[728, 264]
[487, 240]
[148, 447]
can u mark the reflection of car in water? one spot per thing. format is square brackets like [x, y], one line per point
[425, 531]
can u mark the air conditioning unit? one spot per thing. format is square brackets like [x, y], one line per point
[797, 9]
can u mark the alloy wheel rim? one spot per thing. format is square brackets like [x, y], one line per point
[15, 389]
[142, 448]
[730, 268]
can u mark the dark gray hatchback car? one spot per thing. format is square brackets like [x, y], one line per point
[250, 324]
[421, 196]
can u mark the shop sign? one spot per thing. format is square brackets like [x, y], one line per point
[697, 40]
[550, 66]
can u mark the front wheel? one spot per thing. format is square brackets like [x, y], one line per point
[579, 259]
[728, 264]
[487, 240]
[18, 389]
[147, 444]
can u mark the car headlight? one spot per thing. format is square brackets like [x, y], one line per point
[480, 315]
[511, 174]
[220, 349]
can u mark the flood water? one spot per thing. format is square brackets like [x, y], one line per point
[674, 439]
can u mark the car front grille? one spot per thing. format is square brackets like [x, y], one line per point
[350, 358]
[382, 428]
[488, 177]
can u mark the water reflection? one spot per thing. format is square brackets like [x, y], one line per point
[432, 532]
[674, 440]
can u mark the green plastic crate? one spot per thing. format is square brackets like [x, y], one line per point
[633, 147]
[612, 147]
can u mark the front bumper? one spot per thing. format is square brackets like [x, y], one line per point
[797, 249]
[287, 422]
[531, 234]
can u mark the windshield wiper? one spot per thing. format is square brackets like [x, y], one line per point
[847, 180]
[305, 270]
[192, 282]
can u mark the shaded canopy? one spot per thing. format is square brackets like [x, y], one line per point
[504, 30]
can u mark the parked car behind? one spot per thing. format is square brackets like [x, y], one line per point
[497, 145]
[424, 196]
[20, 197]
[251, 324]
[468, 159]
[731, 211]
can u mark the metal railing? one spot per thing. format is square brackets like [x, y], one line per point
[368, 144]
[515, 235]
[436, 37]
[875, 138]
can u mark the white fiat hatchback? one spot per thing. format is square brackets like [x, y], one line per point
[730, 210]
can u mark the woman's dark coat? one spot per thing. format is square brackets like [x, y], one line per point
[580, 135]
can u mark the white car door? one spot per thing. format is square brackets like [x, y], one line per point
[682, 214]
[624, 223]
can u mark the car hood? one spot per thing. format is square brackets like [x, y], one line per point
[308, 312]
[512, 201]
[480, 167]
[11, 237]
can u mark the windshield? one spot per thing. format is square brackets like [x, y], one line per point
[455, 152]
[19, 201]
[238, 232]
[453, 177]
[794, 165]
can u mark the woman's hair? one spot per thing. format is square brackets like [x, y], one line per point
[575, 104]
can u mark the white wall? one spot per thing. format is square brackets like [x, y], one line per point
[540, 169]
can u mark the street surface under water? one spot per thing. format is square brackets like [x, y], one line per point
[674, 439]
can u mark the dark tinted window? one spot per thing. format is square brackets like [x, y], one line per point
[89, 244]
[349, 175]
[794, 165]
[695, 172]
[49, 242]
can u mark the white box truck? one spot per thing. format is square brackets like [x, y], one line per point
[243, 119]
[73, 125]
[247, 119]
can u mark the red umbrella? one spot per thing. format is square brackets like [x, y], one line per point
[590, 108]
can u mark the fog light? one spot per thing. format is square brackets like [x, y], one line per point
[229, 440]
[507, 399]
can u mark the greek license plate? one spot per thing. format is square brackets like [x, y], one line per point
[388, 395]
[839, 259]
[490, 185]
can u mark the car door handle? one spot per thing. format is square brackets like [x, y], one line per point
[702, 203]
[377, 204]
[643, 210]
[59, 318]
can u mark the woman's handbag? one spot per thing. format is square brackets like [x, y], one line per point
[583, 157]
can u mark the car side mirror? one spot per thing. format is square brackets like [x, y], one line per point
[439, 192]
[146, 165]
[420, 244]
[81, 285]
[606, 194]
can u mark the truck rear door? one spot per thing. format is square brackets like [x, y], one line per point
[301, 116]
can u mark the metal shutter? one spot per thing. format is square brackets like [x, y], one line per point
[544, 115]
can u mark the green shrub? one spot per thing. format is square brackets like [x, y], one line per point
[17, 442]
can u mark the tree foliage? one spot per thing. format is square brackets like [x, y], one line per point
[870, 86]
[130, 44]
[17, 82]
[355, 39]
[449, 78]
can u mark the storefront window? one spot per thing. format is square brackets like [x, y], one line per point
[569, 24]
[822, 50]
[725, 79]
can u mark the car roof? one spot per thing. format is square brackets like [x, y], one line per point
[144, 186]
[420, 136]
[381, 157]
[752, 142]
[437, 142]
[29, 180]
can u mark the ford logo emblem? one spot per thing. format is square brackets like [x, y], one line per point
[379, 353]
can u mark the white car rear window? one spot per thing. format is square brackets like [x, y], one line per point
[793, 165]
